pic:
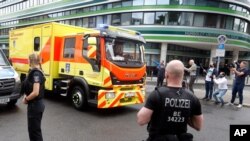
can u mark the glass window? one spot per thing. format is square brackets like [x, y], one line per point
[66, 13]
[244, 10]
[212, 3]
[150, 2]
[161, 18]
[79, 22]
[105, 19]
[242, 26]
[187, 18]
[79, 10]
[236, 24]
[201, 2]
[60, 14]
[232, 6]
[238, 8]
[101, 7]
[93, 8]
[101, 20]
[174, 18]
[175, 2]
[209, 22]
[92, 22]
[73, 22]
[188, 2]
[137, 18]
[163, 2]
[126, 18]
[222, 21]
[223, 5]
[137, 2]
[199, 19]
[36, 43]
[149, 18]
[109, 5]
[72, 12]
[229, 23]
[85, 22]
[69, 47]
[127, 3]
[248, 28]
[117, 4]
[116, 19]
[86, 9]
[109, 19]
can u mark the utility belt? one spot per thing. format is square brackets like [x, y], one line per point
[172, 137]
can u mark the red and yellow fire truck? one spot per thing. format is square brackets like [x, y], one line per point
[103, 66]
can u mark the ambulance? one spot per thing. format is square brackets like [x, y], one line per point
[104, 66]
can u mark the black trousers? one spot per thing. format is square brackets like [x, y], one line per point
[35, 113]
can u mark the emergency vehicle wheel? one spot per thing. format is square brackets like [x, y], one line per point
[79, 98]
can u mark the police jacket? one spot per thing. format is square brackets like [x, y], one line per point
[172, 107]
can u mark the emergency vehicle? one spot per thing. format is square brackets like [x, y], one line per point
[103, 66]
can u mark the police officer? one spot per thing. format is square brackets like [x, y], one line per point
[34, 92]
[168, 110]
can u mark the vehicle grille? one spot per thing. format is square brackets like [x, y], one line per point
[6, 86]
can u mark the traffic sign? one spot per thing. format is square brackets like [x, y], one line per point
[222, 39]
[221, 46]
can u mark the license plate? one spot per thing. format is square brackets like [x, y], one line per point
[129, 94]
[4, 100]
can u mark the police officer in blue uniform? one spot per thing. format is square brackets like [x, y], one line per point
[34, 93]
[168, 110]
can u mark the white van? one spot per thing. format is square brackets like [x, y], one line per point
[9, 82]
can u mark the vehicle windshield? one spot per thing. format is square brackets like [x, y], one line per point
[125, 52]
[3, 59]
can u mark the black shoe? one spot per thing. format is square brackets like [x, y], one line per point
[204, 98]
[222, 104]
[208, 99]
[216, 102]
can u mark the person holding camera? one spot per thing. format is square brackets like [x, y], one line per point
[168, 110]
[240, 75]
[209, 82]
[222, 88]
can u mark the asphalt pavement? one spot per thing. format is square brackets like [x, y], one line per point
[199, 89]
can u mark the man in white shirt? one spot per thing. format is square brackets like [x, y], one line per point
[209, 83]
[222, 88]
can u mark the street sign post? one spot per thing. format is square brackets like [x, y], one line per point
[220, 50]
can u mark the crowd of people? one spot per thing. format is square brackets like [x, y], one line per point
[170, 108]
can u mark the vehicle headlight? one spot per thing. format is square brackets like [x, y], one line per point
[110, 95]
[16, 76]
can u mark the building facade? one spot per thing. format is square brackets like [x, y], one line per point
[173, 29]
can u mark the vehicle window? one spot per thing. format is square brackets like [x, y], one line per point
[36, 43]
[69, 48]
[3, 59]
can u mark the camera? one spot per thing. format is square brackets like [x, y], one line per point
[235, 64]
[231, 65]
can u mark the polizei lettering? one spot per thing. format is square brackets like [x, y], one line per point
[177, 103]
